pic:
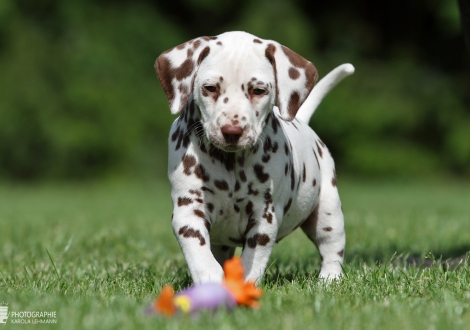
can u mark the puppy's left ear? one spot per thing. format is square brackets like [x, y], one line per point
[177, 67]
[295, 78]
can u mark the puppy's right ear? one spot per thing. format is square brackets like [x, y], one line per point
[177, 67]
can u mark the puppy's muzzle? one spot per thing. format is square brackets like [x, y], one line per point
[231, 134]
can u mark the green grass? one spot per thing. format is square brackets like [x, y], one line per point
[98, 254]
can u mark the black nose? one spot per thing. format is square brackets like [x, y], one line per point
[231, 133]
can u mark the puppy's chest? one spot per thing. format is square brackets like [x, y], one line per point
[238, 189]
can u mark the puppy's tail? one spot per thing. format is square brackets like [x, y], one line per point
[322, 88]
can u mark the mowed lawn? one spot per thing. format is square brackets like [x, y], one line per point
[98, 253]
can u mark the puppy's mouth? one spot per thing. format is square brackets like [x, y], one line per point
[231, 139]
[228, 147]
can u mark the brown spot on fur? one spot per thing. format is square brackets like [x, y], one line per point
[242, 175]
[175, 134]
[269, 53]
[203, 54]
[294, 73]
[189, 232]
[314, 182]
[341, 253]
[207, 189]
[257, 239]
[185, 69]
[304, 174]
[286, 148]
[195, 192]
[188, 162]
[292, 178]
[251, 191]
[269, 146]
[328, 229]
[275, 124]
[257, 41]
[262, 177]
[333, 181]
[226, 100]
[268, 200]
[249, 208]
[201, 173]
[268, 217]
[200, 214]
[207, 224]
[184, 201]
[189, 53]
[294, 104]
[287, 206]
[221, 184]
[249, 225]
[210, 207]
[236, 208]
[196, 44]
[320, 152]
[241, 160]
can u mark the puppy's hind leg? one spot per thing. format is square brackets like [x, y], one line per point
[325, 228]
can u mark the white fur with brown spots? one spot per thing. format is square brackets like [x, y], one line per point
[244, 170]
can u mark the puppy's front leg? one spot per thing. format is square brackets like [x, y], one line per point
[192, 231]
[259, 243]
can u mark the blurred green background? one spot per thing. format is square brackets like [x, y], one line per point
[79, 97]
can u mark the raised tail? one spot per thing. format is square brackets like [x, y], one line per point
[322, 88]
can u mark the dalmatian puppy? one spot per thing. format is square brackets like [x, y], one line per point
[244, 170]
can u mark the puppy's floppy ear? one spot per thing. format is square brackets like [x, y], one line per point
[177, 67]
[295, 78]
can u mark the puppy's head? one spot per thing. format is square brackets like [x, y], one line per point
[235, 79]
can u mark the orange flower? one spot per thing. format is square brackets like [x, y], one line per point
[164, 304]
[244, 293]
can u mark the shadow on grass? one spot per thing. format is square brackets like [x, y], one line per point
[454, 258]
[283, 271]
[393, 253]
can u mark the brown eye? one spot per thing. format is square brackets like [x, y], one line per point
[258, 91]
[210, 88]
